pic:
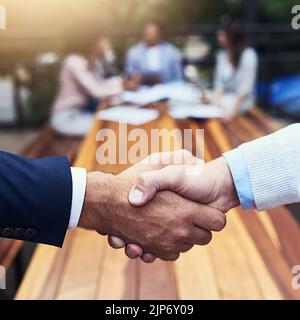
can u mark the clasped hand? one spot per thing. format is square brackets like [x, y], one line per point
[158, 209]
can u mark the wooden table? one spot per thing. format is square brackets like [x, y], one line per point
[251, 259]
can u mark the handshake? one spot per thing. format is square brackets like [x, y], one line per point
[159, 210]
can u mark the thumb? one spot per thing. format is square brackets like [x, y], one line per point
[149, 183]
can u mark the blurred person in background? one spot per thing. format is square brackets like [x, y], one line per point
[84, 82]
[236, 71]
[154, 59]
[105, 64]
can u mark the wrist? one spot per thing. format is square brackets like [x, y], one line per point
[230, 196]
[98, 196]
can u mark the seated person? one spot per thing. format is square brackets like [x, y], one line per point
[81, 85]
[105, 66]
[154, 59]
[235, 74]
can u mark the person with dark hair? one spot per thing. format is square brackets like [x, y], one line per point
[236, 70]
[84, 82]
[154, 59]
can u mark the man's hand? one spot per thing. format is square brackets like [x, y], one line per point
[164, 227]
[210, 184]
[132, 83]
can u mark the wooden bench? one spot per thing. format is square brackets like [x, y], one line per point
[46, 144]
[251, 259]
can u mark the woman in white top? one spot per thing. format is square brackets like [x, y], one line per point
[236, 71]
[81, 86]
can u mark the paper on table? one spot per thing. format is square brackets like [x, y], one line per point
[197, 112]
[129, 115]
[143, 97]
[173, 91]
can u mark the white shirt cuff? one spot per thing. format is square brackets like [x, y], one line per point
[78, 193]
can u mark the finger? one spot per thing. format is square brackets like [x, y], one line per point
[149, 183]
[116, 243]
[148, 257]
[133, 251]
[170, 257]
[186, 247]
[176, 157]
[209, 218]
[157, 161]
[200, 237]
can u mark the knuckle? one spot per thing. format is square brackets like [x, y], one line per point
[187, 156]
[183, 234]
[152, 158]
[155, 158]
[186, 153]
[168, 250]
[189, 216]
[142, 179]
[183, 153]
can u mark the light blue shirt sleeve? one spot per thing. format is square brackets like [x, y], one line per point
[241, 178]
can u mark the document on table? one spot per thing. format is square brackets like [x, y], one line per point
[178, 91]
[143, 96]
[129, 115]
[197, 112]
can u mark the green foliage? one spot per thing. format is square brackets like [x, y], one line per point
[275, 10]
[42, 93]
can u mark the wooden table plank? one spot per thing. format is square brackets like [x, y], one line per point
[195, 276]
[288, 234]
[118, 278]
[157, 281]
[82, 268]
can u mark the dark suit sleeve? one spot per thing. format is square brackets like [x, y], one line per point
[35, 198]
